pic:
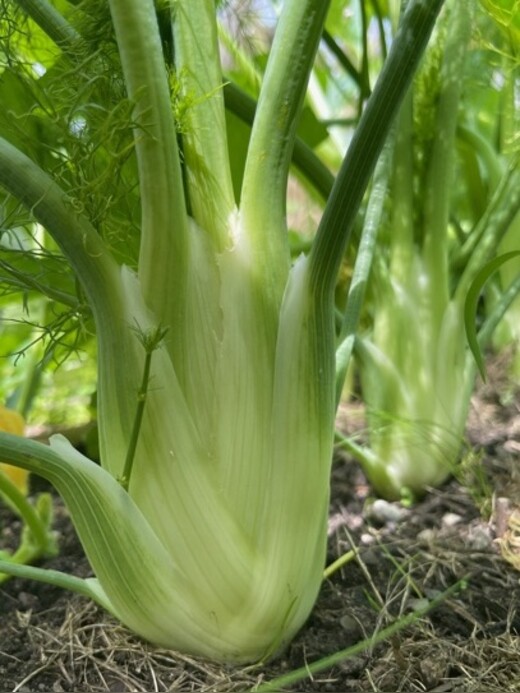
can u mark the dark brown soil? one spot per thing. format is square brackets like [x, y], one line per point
[52, 641]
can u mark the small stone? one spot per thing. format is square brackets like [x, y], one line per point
[450, 519]
[479, 538]
[426, 536]
[371, 557]
[351, 627]
[28, 600]
[432, 670]
[417, 604]
[383, 512]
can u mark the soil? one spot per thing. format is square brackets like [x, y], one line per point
[52, 641]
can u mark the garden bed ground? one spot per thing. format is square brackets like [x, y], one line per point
[52, 641]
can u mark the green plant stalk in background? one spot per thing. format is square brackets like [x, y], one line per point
[37, 539]
[506, 14]
[417, 373]
[215, 542]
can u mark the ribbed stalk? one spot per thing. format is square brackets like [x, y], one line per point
[264, 188]
[204, 137]
[304, 158]
[163, 257]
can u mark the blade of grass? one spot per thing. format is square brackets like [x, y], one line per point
[278, 684]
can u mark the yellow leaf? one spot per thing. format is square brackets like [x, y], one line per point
[13, 422]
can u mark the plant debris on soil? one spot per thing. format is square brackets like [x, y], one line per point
[54, 641]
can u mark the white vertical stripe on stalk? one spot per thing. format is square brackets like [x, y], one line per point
[243, 386]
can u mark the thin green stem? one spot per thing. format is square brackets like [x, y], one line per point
[278, 684]
[365, 77]
[478, 342]
[485, 151]
[339, 563]
[23, 507]
[164, 229]
[50, 21]
[24, 280]
[381, 28]
[150, 340]
[84, 587]
[54, 209]
[340, 213]
[497, 313]
[250, 75]
[503, 205]
[343, 60]
[401, 241]
[363, 455]
[134, 436]
[31, 383]
[508, 112]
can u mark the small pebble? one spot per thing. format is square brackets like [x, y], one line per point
[426, 536]
[416, 604]
[479, 538]
[450, 519]
[432, 670]
[28, 600]
[382, 512]
[371, 556]
[351, 627]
